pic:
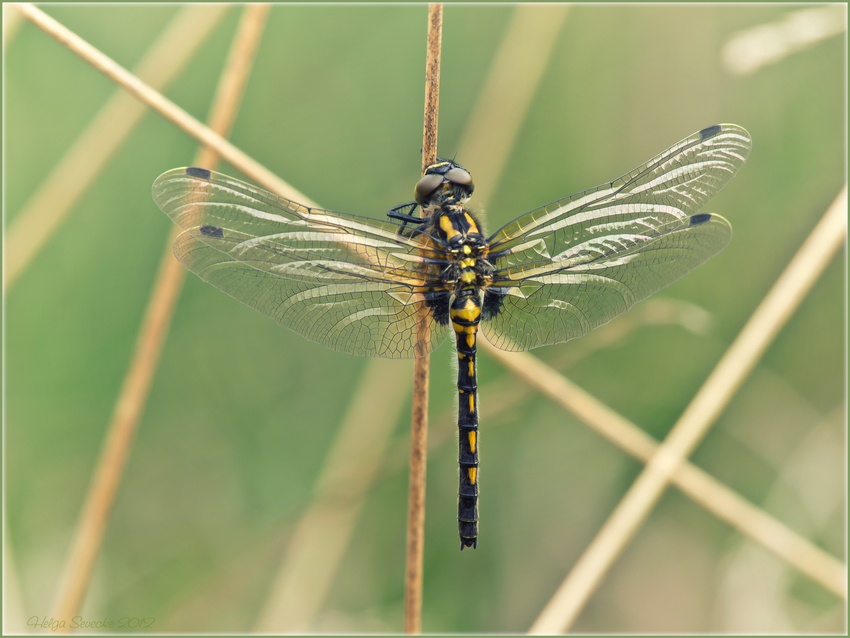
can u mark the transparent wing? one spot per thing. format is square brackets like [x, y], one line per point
[571, 266]
[350, 283]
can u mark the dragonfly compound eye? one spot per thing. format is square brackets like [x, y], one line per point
[426, 186]
[460, 177]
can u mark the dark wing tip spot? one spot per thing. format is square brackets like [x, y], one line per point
[710, 131]
[700, 218]
[194, 171]
[211, 231]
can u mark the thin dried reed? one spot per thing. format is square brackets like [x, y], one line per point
[763, 326]
[704, 489]
[165, 107]
[421, 366]
[11, 23]
[321, 536]
[85, 160]
[94, 517]
[511, 85]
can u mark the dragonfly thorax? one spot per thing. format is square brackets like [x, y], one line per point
[455, 228]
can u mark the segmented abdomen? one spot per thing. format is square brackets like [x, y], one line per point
[465, 314]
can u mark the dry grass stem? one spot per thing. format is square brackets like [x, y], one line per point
[170, 111]
[234, 78]
[14, 610]
[321, 536]
[83, 162]
[11, 23]
[508, 91]
[421, 365]
[432, 84]
[763, 326]
[751, 49]
[691, 480]
[100, 498]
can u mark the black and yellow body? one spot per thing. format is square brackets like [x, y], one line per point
[396, 287]
[442, 193]
[465, 315]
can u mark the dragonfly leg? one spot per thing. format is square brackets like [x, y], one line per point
[406, 217]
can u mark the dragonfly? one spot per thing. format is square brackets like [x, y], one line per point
[395, 287]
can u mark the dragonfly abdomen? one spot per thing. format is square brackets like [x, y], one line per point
[465, 314]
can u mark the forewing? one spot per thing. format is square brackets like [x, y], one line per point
[571, 266]
[350, 283]
[544, 305]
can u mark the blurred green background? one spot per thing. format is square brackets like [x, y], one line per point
[242, 412]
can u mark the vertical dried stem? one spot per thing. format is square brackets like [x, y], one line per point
[432, 84]
[100, 499]
[419, 419]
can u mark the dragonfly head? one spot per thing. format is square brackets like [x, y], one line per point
[444, 182]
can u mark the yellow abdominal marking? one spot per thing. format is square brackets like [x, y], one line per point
[471, 403]
[446, 226]
[472, 472]
[470, 338]
[472, 442]
[460, 355]
[471, 369]
[469, 312]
